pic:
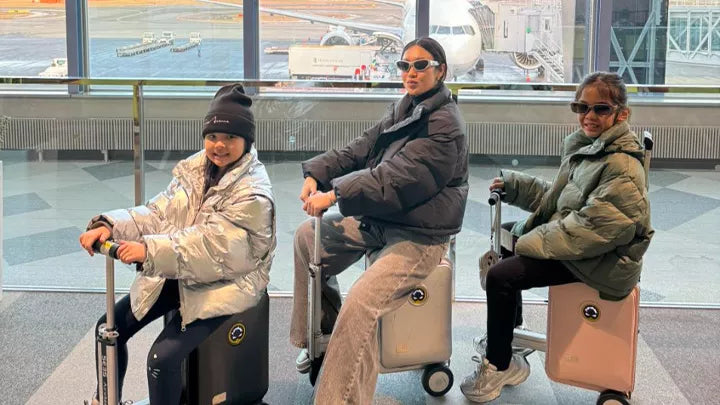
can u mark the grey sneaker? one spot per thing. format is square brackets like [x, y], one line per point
[480, 346]
[486, 382]
[302, 363]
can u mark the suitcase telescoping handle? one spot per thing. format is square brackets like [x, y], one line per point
[495, 201]
[107, 248]
[315, 347]
[318, 240]
[496, 196]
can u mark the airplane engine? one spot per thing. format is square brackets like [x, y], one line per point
[525, 60]
[338, 37]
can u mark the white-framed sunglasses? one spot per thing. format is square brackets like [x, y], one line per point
[419, 65]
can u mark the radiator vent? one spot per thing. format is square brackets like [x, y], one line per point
[487, 138]
[68, 134]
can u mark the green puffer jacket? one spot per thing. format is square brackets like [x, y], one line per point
[594, 216]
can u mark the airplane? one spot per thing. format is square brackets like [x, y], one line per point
[452, 25]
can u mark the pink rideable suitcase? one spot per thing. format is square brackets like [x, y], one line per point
[591, 342]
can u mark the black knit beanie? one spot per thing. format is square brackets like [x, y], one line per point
[230, 113]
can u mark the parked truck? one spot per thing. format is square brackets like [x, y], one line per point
[331, 62]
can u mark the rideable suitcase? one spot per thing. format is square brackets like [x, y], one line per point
[416, 335]
[591, 342]
[231, 365]
[420, 331]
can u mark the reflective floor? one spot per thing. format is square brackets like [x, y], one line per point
[48, 204]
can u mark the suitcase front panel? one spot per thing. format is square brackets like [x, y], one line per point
[591, 342]
[419, 332]
[232, 365]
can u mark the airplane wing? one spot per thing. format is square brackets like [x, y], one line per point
[354, 25]
[390, 3]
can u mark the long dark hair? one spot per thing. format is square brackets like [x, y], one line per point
[433, 47]
[212, 175]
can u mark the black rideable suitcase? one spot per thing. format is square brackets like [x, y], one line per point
[231, 365]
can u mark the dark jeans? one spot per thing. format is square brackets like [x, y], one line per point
[505, 282]
[169, 349]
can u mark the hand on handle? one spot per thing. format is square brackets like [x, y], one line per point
[131, 252]
[318, 203]
[497, 192]
[497, 183]
[309, 188]
[88, 238]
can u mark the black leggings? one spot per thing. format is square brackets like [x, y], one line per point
[504, 284]
[169, 349]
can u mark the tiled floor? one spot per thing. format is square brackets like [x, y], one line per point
[47, 205]
[673, 366]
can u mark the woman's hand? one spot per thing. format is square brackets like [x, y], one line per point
[87, 238]
[497, 183]
[309, 188]
[317, 203]
[131, 252]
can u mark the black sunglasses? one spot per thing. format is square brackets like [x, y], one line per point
[599, 109]
[419, 65]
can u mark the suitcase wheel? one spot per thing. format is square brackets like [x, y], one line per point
[315, 369]
[437, 379]
[610, 397]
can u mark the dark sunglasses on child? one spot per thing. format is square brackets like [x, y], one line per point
[419, 65]
[599, 109]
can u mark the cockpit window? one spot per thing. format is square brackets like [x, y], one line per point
[469, 29]
[443, 30]
[433, 29]
[457, 30]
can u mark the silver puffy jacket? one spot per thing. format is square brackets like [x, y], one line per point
[220, 248]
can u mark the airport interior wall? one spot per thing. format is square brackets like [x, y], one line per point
[687, 130]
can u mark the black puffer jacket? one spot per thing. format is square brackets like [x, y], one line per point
[409, 170]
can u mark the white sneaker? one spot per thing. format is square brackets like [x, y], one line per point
[480, 345]
[485, 383]
[302, 362]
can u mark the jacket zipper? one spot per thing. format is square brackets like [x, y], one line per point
[180, 288]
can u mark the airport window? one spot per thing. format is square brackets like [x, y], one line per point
[32, 39]
[174, 39]
[320, 40]
[674, 42]
[510, 45]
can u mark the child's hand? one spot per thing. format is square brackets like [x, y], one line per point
[497, 183]
[131, 252]
[88, 238]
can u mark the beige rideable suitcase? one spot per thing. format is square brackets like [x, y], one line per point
[592, 342]
[415, 336]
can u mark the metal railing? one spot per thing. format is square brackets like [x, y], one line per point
[252, 86]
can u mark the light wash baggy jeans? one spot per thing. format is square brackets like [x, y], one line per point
[401, 259]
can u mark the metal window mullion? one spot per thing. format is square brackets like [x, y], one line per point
[590, 33]
[76, 41]
[137, 143]
[422, 18]
[251, 40]
[603, 27]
